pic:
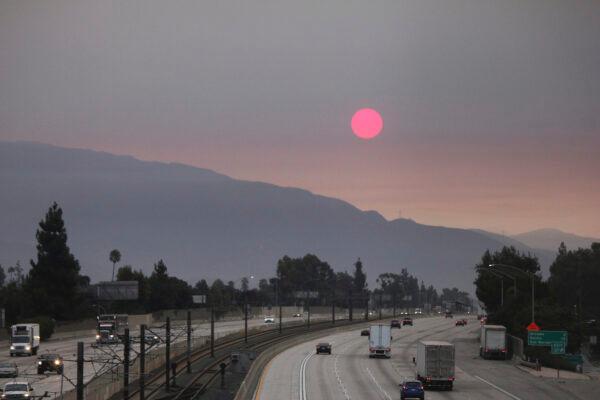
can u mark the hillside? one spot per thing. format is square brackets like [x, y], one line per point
[207, 225]
[550, 239]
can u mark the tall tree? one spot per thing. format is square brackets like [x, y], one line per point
[360, 278]
[114, 257]
[53, 281]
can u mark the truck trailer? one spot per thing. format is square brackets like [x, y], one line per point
[435, 364]
[24, 339]
[380, 341]
[492, 342]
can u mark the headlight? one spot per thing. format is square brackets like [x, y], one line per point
[112, 336]
[39, 363]
[27, 347]
[26, 395]
[56, 362]
[12, 348]
[97, 337]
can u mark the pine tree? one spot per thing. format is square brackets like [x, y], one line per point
[53, 280]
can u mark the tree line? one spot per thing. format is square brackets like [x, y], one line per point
[566, 300]
[54, 286]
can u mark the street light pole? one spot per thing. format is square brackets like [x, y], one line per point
[531, 276]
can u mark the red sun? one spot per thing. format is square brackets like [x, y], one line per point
[366, 123]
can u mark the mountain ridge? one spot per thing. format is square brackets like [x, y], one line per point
[208, 225]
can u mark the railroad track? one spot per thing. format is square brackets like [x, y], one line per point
[155, 379]
[204, 378]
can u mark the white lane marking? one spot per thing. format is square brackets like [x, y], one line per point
[498, 388]
[302, 387]
[378, 385]
[339, 378]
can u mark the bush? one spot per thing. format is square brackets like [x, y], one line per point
[47, 326]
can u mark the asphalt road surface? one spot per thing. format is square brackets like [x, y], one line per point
[349, 373]
[100, 358]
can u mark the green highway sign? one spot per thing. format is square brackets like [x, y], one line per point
[556, 340]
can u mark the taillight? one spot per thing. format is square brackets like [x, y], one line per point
[451, 378]
[503, 350]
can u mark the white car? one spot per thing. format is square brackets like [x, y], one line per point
[269, 319]
[17, 390]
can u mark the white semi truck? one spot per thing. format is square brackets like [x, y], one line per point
[492, 342]
[435, 364]
[24, 339]
[380, 341]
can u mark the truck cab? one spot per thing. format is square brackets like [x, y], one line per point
[24, 339]
[111, 328]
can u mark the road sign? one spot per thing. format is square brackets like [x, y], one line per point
[556, 340]
[199, 299]
[118, 290]
[306, 295]
[533, 327]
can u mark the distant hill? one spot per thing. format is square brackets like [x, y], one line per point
[207, 225]
[550, 239]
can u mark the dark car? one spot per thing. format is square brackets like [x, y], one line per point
[395, 323]
[407, 321]
[151, 339]
[9, 370]
[412, 389]
[460, 322]
[324, 348]
[365, 332]
[50, 362]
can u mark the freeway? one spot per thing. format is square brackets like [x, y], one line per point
[101, 358]
[298, 373]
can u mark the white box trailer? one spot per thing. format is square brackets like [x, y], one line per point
[435, 364]
[24, 339]
[380, 341]
[492, 342]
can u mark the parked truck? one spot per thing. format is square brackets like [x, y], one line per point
[492, 342]
[111, 328]
[24, 339]
[380, 341]
[435, 364]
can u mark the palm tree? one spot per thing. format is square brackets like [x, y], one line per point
[115, 257]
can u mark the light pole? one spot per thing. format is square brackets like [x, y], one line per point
[527, 273]
[489, 270]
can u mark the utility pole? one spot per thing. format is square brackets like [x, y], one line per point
[212, 331]
[189, 342]
[126, 355]
[350, 316]
[168, 355]
[142, 379]
[79, 371]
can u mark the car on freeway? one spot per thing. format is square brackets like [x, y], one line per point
[395, 323]
[269, 319]
[9, 370]
[407, 321]
[324, 348]
[50, 362]
[365, 332]
[297, 315]
[151, 339]
[448, 314]
[17, 390]
[412, 389]
[460, 322]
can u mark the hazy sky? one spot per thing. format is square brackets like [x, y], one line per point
[491, 108]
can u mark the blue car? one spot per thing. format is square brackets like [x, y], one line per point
[412, 389]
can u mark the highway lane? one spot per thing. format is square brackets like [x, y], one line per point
[67, 348]
[350, 374]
